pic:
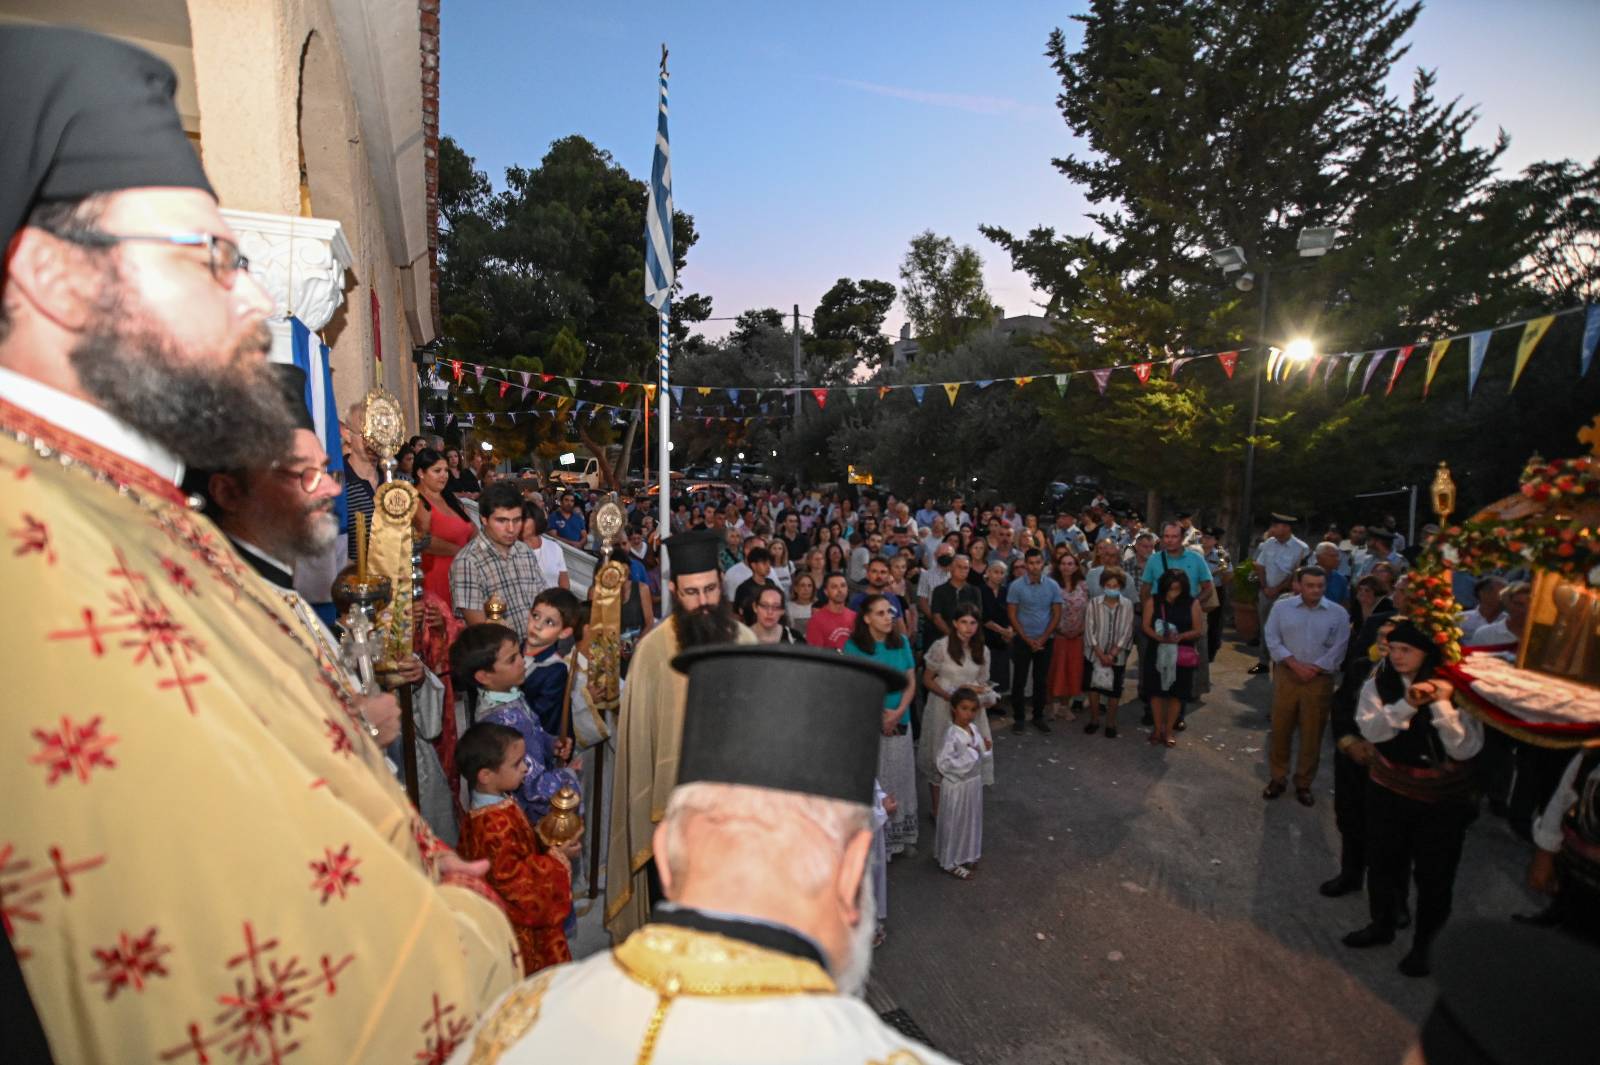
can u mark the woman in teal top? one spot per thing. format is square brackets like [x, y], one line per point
[875, 638]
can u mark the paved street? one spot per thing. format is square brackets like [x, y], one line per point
[1141, 905]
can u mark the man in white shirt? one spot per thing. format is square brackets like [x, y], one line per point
[1507, 628]
[1488, 610]
[1276, 559]
[740, 571]
[956, 516]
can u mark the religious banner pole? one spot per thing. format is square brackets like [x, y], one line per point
[659, 270]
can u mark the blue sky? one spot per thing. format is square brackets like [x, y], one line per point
[812, 142]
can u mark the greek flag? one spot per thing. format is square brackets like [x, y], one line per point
[658, 220]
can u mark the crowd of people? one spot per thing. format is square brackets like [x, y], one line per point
[208, 849]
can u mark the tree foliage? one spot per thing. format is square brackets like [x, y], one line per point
[942, 286]
[847, 326]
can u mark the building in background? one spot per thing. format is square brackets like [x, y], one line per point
[317, 121]
[906, 349]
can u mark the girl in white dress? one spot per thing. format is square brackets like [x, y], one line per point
[958, 843]
[954, 661]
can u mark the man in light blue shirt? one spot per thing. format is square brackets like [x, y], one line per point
[1033, 602]
[1306, 637]
[1173, 555]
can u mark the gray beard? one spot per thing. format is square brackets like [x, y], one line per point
[851, 978]
[220, 417]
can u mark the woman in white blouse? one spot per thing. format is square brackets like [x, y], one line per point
[1421, 789]
[954, 661]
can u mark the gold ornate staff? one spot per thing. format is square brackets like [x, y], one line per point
[605, 660]
[389, 555]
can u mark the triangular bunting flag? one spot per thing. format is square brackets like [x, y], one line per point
[853, 393]
[1591, 336]
[985, 383]
[593, 382]
[1274, 357]
[708, 421]
[1435, 357]
[449, 419]
[491, 418]
[1177, 364]
[1316, 360]
[1141, 370]
[733, 395]
[622, 386]
[650, 392]
[1100, 379]
[504, 385]
[1061, 384]
[821, 396]
[677, 394]
[526, 376]
[1372, 368]
[950, 391]
[572, 384]
[1351, 368]
[1333, 360]
[547, 377]
[479, 371]
[1477, 348]
[455, 368]
[1022, 382]
[1228, 359]
[513, 417]
[1399, 365]
[883, 390]
[1532, 333]
[918, 390]
[703, 391]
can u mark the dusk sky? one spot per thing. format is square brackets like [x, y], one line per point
[812, 142]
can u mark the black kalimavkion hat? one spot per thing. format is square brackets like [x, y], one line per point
[799, 719]
[693, 551]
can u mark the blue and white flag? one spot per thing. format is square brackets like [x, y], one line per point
[658, 260]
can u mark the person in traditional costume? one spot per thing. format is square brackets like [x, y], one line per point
[534, 881]
[763, 945]
[958, 841]
[650, 724]
[1566, 861]
[487, 663]
[1421, 791]
[302, 900]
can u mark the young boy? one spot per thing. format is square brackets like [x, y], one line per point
[487, 664]
[555, 612]
[535, 884]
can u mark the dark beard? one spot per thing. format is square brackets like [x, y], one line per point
[707, 625]
[221, 417]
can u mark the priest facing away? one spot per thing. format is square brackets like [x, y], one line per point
[764, 940]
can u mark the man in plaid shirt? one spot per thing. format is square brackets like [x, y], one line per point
[497, 562]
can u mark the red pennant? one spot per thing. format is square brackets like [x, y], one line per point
[821, 396]
[622, 386]
[1399, 364]
[1141, 370]
[503, 386]
[1229, 360]
[547, 377]
[455, 368]
[1311, 371]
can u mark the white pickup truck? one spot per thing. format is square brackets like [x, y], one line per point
[586, 474]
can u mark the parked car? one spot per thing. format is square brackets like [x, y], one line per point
[585, 474]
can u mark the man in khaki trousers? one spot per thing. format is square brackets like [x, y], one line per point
[1306, 638]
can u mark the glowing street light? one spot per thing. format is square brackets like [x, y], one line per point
[1299, 350]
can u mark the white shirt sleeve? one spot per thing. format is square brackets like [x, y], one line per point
[1377, 720]
[1461, 733]
[1547, 826]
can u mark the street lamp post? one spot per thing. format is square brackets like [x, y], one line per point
[1312, 243]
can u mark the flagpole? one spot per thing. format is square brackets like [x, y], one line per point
[664, 427]
[658, 281]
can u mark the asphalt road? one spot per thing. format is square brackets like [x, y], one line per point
[1145, 905]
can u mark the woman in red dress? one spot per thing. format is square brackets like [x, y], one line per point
[442, 519]
[1066, 656]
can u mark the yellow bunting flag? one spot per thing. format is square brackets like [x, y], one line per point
[1532, 333]
[1022, 382]
[1435, 357]
[950, 390]
[650, 392]
[703, 391]
[883, 390]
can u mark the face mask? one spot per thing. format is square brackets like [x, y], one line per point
[1113, 593]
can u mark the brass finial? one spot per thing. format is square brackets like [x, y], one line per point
[1444, 494]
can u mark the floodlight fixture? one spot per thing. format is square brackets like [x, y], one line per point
[1245, 281]
[1230, 259]
[1316, 240]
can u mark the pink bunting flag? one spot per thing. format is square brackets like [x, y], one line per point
[1100, 379]
[526, 377]
[1372, 368]
[1177, 364]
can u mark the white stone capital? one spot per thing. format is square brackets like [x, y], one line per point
[301, 262]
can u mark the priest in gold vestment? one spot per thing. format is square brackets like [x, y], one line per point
[650, 724]
[765, 940]
[202, 856]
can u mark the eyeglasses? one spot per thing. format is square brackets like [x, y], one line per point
[311, 477]
[223, 255]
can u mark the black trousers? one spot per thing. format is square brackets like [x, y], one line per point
[1214, 632]
[1000, 666]
[1350, 813]
[1024, 659]
[1430, 836]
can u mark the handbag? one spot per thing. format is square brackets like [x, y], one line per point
[1188, 657]
[1102, 677]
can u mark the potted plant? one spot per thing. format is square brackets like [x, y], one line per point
[1246, 618]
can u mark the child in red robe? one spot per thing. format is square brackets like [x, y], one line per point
[535, 883]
